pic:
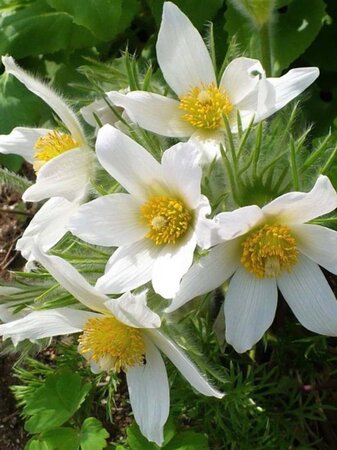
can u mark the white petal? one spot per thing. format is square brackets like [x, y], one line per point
[67, 176]
[250, 307]
[300, 207]
[318, 243]
[128, 162]
[310, 297]
[48, 225]
[171, 264]
[133, 311]
[209, 273]
[241, 78]
[129, 267]
[185, 366]
[48, 95]
[101, 109]
[238, 222]
[154, 112]
[280, 91]
[46, 323]
[208, 144]
[111, 220]
[182, 54]
[183, 173]
[150, 395]
[21, 141]
[68, 277]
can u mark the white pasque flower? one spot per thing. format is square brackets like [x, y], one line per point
[265, 249]
[155, 224]
[117, 334]
[188, 69]
[63, 162]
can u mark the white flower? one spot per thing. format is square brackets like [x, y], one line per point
[50, 224]
[101, 110]
[154, 225]
[118, 334]
[265, 249]
[63, 160]
[187, 67]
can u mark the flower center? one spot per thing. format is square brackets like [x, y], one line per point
[167, 218]
[204, 106]
[112, 344]
[269, 251]
[51, 145]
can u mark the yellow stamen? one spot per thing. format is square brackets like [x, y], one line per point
[205, 106]
[112, 344]
[167, 218]
[51, 145]
[269, 251]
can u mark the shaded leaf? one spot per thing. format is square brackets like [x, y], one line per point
[197, 12]
[93, 435]
[55, 402]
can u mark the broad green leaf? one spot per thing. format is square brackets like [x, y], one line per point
[101, 17]
[11, 162]
[137, 441]
[40, 29]
[36, 444]
[293, 29]
[197, 11]
[321, 53]
[93, 435]
[19, 107]
[62, 439]
[55, 402]
[188, 440]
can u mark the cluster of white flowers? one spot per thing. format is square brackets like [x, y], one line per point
[156, 224]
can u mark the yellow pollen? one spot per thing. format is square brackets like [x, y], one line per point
[51, 145]
[167, 218]
[269, 251]
[112, 344]
[204, 106]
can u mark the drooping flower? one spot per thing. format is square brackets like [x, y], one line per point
[263, 249]
[155, 225]
[117, 334]
[63, 162]
[62, 159]
[198, 112]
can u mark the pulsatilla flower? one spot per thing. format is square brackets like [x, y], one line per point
[155, 226]
[265, 249]
[202, 102]
[62, 160]
[117, 334]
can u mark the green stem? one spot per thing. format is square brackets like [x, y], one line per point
[266, 49]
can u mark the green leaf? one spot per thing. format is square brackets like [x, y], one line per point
[19, 106]
[13, 181]
[36, 444]
[293, 30]
[104, 18]
[62, 439]
[38, 28]
[188, 440]
[11, 162]
[197, 12]
[54, 403]
[137, 441]
[93, 435]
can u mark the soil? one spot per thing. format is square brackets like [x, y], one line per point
[12, 224]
